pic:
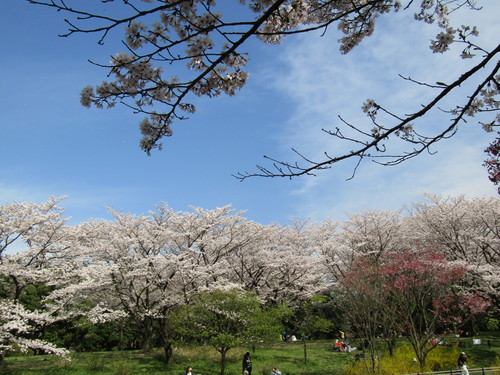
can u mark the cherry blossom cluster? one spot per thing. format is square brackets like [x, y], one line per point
[443, 40]
[137, 77]
[177, 50]
[289, 16]
[493, 162]
[370, 108]
[195, 33]
[486, 100]
[16, 326]
[357, 19]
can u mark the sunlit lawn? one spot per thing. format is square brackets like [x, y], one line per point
[289, 357]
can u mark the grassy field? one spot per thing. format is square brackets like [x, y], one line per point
[289, 357]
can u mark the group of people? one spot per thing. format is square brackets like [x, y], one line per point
[246, 365]
[342, 346]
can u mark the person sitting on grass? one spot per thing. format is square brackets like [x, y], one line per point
[189, 371]
[276, 371]
[338, 346]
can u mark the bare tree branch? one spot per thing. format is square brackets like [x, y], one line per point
[286, 169]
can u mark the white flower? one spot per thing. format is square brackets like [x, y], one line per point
[488, 127]
[86, 96]
[443, 40]
[369, 104]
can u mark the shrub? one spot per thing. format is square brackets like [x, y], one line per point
[123, 369]
[404, 362]
[490, 324]
[95, 364]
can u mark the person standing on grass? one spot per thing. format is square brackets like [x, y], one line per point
[247, 364]
[189, 371]
[462, 364]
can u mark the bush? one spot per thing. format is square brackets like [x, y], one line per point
[123, 369]
[490, 324]
[95, 364]
[404, 362]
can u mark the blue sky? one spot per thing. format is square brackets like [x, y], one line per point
[51, 145]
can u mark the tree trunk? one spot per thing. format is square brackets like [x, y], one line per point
[121, 337]
[305, 351]
[391, 345]
[223, 361]
[373, 350]
[146, 338]
[167, 348]
[147, 333]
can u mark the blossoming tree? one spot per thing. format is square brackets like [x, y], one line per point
[466, 230]
[370, 234]
[279, 264]
[414, 293]
[206, 50]
[32, 240]
[140, 267]
[492, 164]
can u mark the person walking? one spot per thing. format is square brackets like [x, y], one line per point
[247, 364]
[462, 364]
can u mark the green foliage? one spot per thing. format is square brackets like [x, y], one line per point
[404, 362]
[224, 319]
[5, 283]
[490, 324]
[309, 319]
[80, 334]
[33, 294]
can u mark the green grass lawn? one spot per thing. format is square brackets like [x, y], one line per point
[289, 357]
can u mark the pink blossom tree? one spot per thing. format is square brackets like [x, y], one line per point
[367, 305]
[416, 282]
[413, 292]
[465, 230]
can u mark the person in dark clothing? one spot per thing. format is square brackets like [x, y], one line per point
[247, 364]
[462, 364]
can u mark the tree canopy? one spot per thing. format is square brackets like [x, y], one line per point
[174, 49]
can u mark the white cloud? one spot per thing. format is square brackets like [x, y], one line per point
[323, 84]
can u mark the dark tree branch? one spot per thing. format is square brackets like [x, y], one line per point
[286, 169]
